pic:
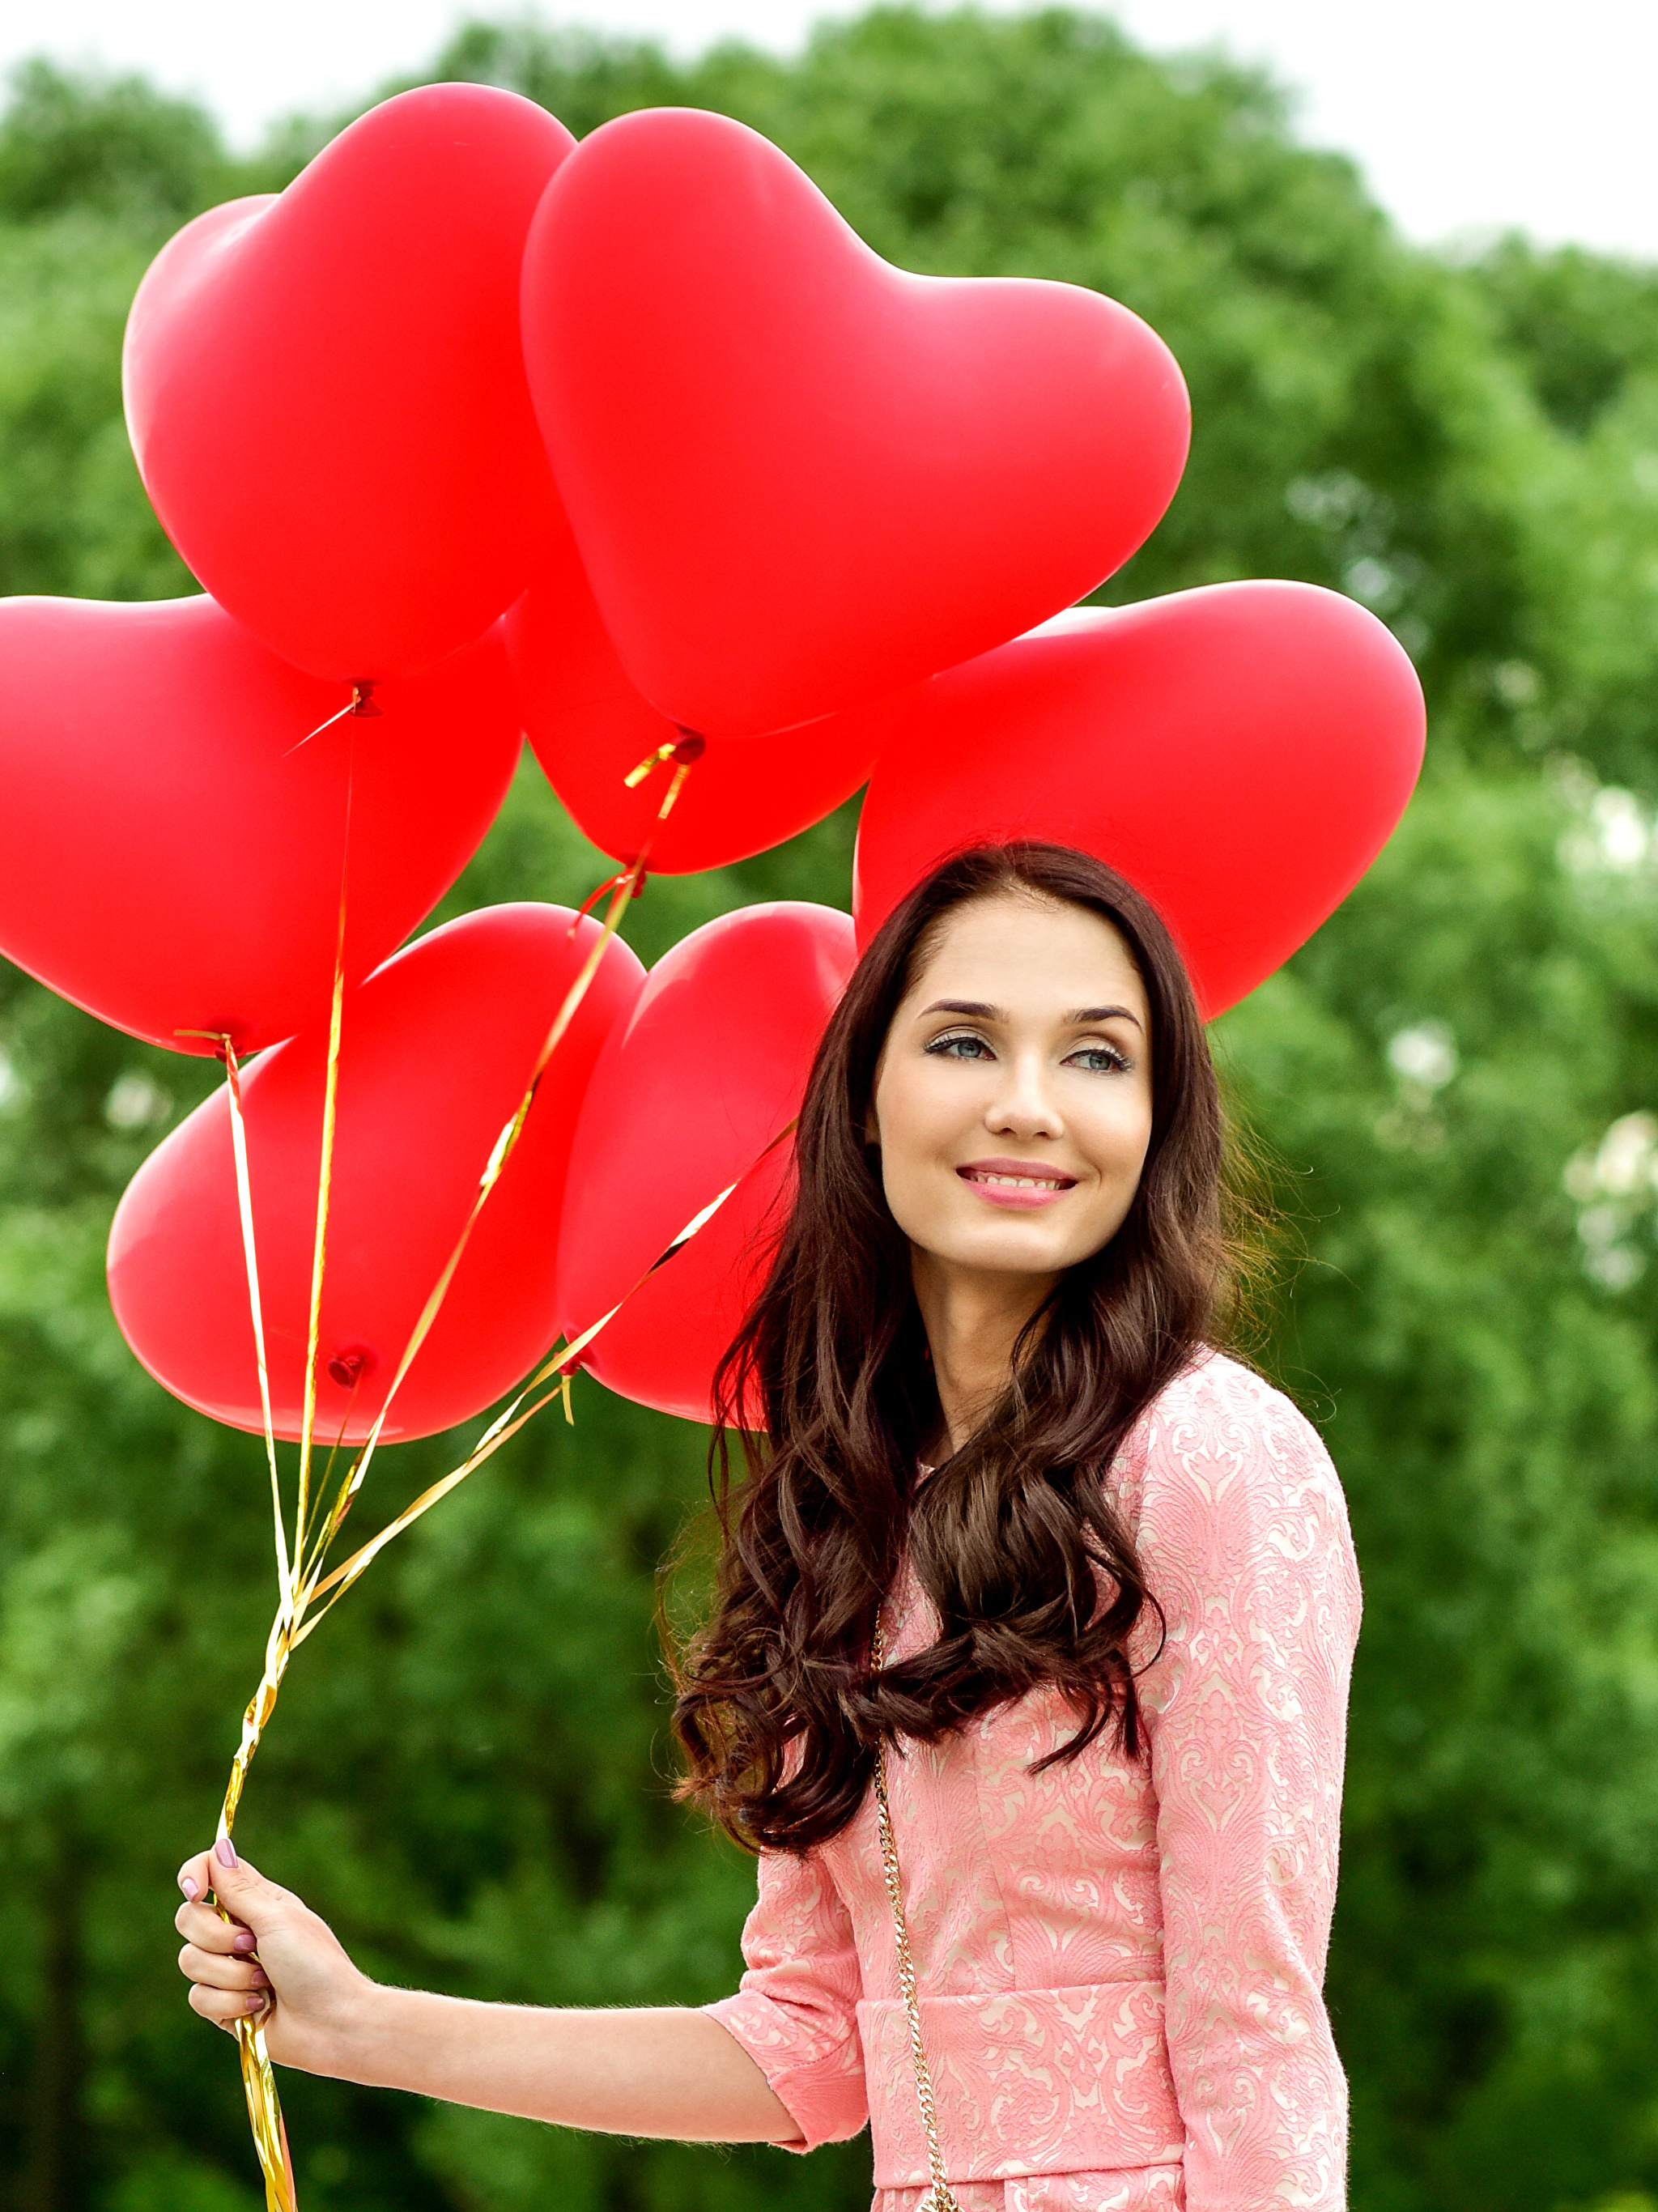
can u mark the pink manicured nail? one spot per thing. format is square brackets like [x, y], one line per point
[190, 1889]
[261, 1980]
[244, 1940]
[224, 1851]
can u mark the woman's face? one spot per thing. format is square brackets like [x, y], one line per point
[1013, 1103]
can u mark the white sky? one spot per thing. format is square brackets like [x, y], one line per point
[1467, 115]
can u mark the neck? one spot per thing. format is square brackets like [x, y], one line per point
[972, 1322]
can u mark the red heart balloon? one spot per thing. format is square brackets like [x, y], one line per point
[1242, 753]
[436, 1049]
[800, 477]
[741, 1003]
[664, 1346]
[170, 845]
[590, 729]
[325, 391]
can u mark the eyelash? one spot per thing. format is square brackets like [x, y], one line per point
[1119, 1062]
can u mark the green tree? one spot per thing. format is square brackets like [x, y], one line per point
[1458, 1079]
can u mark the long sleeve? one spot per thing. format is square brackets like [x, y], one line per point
[1244, 1540]
[795, 2013]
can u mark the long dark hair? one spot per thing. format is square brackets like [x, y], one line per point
[1014, 1538]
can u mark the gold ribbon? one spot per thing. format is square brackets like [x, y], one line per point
[300, 1578]
[259, 2081]
[558, 1370]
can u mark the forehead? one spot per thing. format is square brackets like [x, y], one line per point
[1026, 953]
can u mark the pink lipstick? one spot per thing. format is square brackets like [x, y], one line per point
[1024, 1185]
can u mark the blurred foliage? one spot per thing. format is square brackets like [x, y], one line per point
[1583, 326]
[1457, 1080]
[115, 147]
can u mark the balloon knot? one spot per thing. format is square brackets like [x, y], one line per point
[611, 884]
[362, 700]
[348, 1368]
[691, 747]
[223, 1042]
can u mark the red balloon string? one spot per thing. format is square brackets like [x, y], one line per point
[610, 884]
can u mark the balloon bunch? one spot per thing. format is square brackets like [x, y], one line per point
[633, 448]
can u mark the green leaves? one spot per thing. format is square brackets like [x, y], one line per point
[111, 145]
[469, 1775]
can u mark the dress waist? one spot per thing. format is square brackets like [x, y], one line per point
[1067, 2081]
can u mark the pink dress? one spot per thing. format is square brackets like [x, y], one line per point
[1121, 1964]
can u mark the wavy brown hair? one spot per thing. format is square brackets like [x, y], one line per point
[1016, 1538]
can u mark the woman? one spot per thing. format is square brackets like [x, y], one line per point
[1083, 1586]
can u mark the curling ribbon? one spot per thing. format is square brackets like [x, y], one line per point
[298, 1577]
[258, 2080]
[685, 752]
[265, 2112]
[562, 1365]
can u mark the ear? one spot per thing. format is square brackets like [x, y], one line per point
[871, 1120]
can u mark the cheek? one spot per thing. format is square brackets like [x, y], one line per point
[914, 1128]
[1119, 1143]
[907, 1113]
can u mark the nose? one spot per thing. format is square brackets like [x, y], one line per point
[1025, 1106]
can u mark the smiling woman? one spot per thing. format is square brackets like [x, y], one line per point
[1006, 1245]
[1063, 1084]
[1027, 1676]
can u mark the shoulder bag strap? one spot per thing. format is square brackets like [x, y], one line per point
[939, 2197]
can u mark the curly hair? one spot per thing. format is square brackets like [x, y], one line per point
[1015, 1538]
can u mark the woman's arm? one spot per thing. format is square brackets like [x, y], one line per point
[796, 2013]
[1244, 1540]
[669, 2072]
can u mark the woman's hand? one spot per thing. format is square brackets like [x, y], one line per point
[648, 2072]
[273, 1959]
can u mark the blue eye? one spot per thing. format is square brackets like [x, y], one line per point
[960, 1044]
[1100, 1060]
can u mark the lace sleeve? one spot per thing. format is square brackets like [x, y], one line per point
[1244, 1540]
[796, 2011]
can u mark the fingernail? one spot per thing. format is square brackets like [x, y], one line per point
[224, 1851]
[190, 1889]
[261, 1980]
[256, 2003]
[244, 1940]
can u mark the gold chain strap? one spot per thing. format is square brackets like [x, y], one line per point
[939, 2197]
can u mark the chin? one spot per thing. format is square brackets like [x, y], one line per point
[1008, 1255]
[1031, 1256]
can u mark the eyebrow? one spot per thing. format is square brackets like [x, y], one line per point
[1082, 1018]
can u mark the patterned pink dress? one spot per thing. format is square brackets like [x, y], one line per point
[1121, 1964]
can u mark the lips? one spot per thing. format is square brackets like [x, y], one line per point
[1010, 1181]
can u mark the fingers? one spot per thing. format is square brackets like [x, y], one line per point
[214, 1970]
[206, 1929]
[196, 1876]
[224, 2007]
[240, 1888]
[227, 1984]
[215, 1870]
